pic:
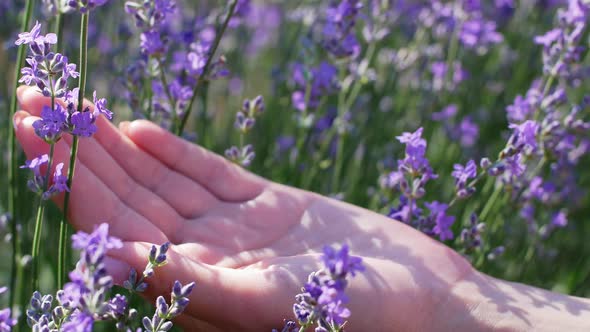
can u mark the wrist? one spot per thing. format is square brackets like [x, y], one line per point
[482, 303]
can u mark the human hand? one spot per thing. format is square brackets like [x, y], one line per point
[247, 242]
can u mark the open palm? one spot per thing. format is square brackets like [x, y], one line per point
[247, 242]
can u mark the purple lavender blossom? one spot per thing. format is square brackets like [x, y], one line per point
[85, 6]
[462, 174]
[561, 45]
[44, 65]
[415, 163]
[151, 43]
[443, 222]
[468, 132]
[83, 124]
[37, 183]
[339, 262]
[98, 241]
[52, 123]
[60, 183]
[526, 133]
[6, 320]
[405, 211]
[440, 75]
[245, 121]
[100, 107]
[338, 33]
[35, 38]
[89, 282]
[446, 113]
[323, 300]
[179, 300]
[559, 219]
[320, 80]
[471, 236]
[477, 32]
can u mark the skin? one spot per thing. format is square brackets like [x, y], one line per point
[249, 243]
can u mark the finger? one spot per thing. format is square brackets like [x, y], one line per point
[186, 196]
[222, 297]
[91, 201]
[143, 201]
[172, 187]
[119, 270]
[224, 179]
[32, 100]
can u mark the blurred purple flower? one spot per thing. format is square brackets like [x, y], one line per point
[443, 222]
[468, 132]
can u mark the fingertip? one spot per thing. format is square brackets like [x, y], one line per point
[18, 118]
[124, 126]
[136, 128]
[32, 100]
[20, 91]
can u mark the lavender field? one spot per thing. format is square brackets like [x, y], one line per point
[466, 120]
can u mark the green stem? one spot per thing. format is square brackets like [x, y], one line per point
[12, 169]
[303, 128]
[59, 27]
[204, 117]
[39, 223]
[205, 72]
[344, 105]
[451, 55]
[168, 95]
[490, 203]
[63, 227]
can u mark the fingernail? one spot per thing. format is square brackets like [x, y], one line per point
[123, 126]
[16, 120]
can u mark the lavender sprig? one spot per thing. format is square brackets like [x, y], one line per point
[179, 300]
[45, 67]
[322, 298]
[245, 121]
[206, 67]
[13, 167]
[157, 258]
[84, 299]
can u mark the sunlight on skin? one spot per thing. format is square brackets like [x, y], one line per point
[249, 243]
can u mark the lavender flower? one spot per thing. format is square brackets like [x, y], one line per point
[39, 307]
[156, 259]
[312, 84]
[160, 322]
[322, 299]
[83, 300]
[471, 236]
[52, 123]
[245, 121]
[468, 131]
[462, 174]
[440, 71]
[290, 326]
[60, 183]
[338, 33]
[561, 47]
[37, 183]
[83, 124]
[85, 6]
[86, 293]
[50, 72]
[442, 221]
[6, 320]
[414, 170]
